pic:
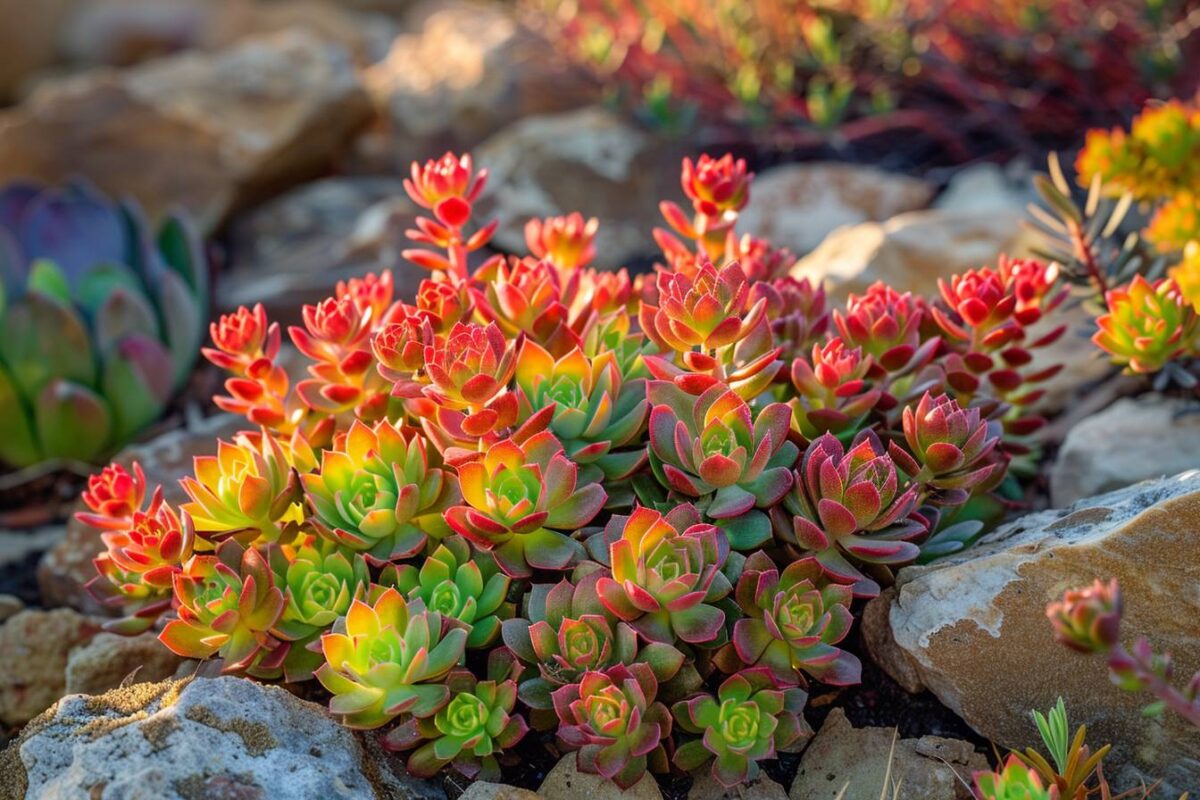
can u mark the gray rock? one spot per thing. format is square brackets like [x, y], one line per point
[482, 790]
[109, 659]
[10, 605]
[989, 187]
[180, 740]
[973, 626]
[929, 768]
[36, 645]
[1130, 441]
[566, 782]
[706, 787]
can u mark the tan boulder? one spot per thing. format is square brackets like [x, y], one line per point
[109, 660]
[36, 645]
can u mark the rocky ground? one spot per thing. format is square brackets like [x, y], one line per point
[283, 127]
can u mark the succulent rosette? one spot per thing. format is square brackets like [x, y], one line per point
[468, 733]
[750, 719]
[399, 349]
[715, 449]
[469, 370]
[1014, 781]
[593, 411]
[336, 336]
[457, 586]
[227, 605]
[794, 621]
[519, 498]
[795, 312]
[568, 632]
[136, 572]
[850, 508]
[113, 496]
[833, 393]
[1088, 620]
[319, 581]
[567, 242]
[380, 492]
[614, 721]
[886, 325]
[1147, 325]
[389, 658]
[948, 447]
[249, 490]
[704, 313]
[531, 297]
[666, 575]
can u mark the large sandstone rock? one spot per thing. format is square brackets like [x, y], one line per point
[591, 161]
[202, 131]
[974, 629]
[566, 782]
[109, 659]
[35, 645]
[798, 205]
[911, 251]
[29, 39]
[181, 740]
[465, 70]
[928, 768]
[1132, 440]
[67, 566]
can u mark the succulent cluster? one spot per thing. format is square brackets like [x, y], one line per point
[100, 320]
[646, 505]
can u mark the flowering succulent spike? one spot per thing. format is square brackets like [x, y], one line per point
[469, 370]
[718, 190]
[459, 587]
[1147, 325]
[227, 605]
[476, 725]
[567, 242]
[319, 582]
[949, 447]
[113, 496]
[715, 448]
[518, 500]
[594, 411]
[1088, 619]
[665, 578]
[379, 492]
[389, 658]
[794, 621]
[249, 490]
[449, 188]
[1015, 781]
[614, 721]
[568, 632]
[833, 393]
[137, 570]
[751, 719]
[850, 508]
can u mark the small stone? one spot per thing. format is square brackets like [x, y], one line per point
[482, 790]
[798, 205]
[989, 188]
[929, 768]
[35, 645]
[9, 606]
[1130, 441]
[109, 659]
[706, 787]
[566, 782]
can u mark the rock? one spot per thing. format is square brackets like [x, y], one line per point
[1130, 441]
[465, 70]
[482, 790]
[293, 250]
[178, 740]
[35, 645]
[202, 131]
[566, 782]
[989, 187]
[706, 787]
[17, 545]
[973, 626]
[911, 251]
[590, 161]
[929, 768]
[390, 777]
[798, 205]
[67, 566]
[29, 41]
[9, 606]
[108, 659]
[877, 637]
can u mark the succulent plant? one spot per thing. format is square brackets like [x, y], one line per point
[567, 242]
[793, 622]
[460, 587]
[614, 721]
[113, 496]
[227, 605]
[100, 321]
[518, 500]
[531, 297]
[850, 508]
[389, 658]
[1014, 781]
[796, 313]
[750, 719]
[469, 370]
[833, 393]
[380, 492]
[1088, 620]
[948, 447]
[666, 575]
[715, 449]
[708, 312]
[1147, 325]
[448, 187]
[596, 414]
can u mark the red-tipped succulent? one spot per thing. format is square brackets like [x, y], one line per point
[469, 370]
[113, 496]
[567, 242]
[833, 393]
[1088, 619]
[948, 447]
